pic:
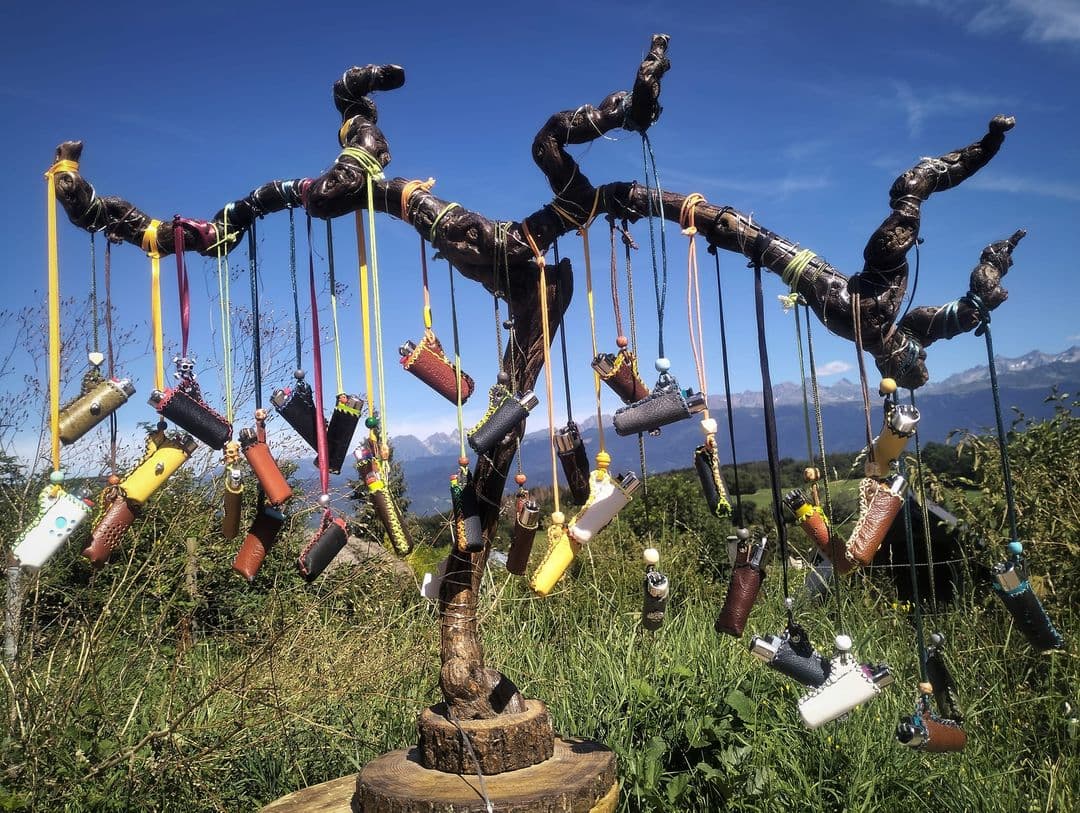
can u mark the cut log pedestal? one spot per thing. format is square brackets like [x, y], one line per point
[526, 770]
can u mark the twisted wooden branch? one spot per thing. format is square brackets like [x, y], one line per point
[473, 242]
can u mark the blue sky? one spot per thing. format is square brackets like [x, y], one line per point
[800, 113]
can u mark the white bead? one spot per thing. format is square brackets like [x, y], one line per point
[324, 500]
[843, 643]
[651, 556]
[662, 365]
[708, 426]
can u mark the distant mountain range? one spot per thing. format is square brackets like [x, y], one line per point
[961, 401]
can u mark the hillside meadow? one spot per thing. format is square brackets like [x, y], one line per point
[166, 683]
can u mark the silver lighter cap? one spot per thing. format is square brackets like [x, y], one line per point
[126, 385]
[695, 402]
[529, 400]
[765, 649]
[903, 419]
[528, 516]
[1008, 576]
[628, 482]
[604, 363]
[566, 438]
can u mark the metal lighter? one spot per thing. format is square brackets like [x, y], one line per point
[665, 404]
[92, 407]
[901, 421]
[849, 684]
[503, 414]
[792, 654]
[60, 513]
[1011, 583]
[571, 451]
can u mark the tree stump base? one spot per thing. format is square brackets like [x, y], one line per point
[509, 742]
[579, 776]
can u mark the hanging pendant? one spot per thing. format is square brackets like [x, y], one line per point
[98, 399]
[232, 503]
[257, 543]
[165, 453]
[792, 654]
[746, 577]
[571, 451]
[607, 496]
[620, 372]
[848, 685]
[297, 407]
[325, 544]
[654, 588]
[925, 731]
[118, 516]
[560, 553]
[666, 404]
[503, 414]
[707, 466]
[815, 525]
[1012, 585]
[526, 521]
[60, 514]
[901, 421]
[428, 361]
[879, 503]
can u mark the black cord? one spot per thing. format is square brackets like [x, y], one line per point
[295, 294]
[727, 391]
[562, 336]
[256, 340]
[770, 431]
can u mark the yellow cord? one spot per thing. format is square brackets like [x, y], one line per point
[365, 306]
[584, 232]
[550, 388]
[63, 165]
[150, 246]
[693, 298]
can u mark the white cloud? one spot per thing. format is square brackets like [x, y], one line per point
[1038, 21]
[919, 106]
[1017, 184]
[833, 368]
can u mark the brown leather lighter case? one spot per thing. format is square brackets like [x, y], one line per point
[619, 371]
[258, 456]
[110, 529]
[259, 540]
[233, 505]
[525, 525]
[746, 578]
[879, 503]
[429, 362]
[943, 735]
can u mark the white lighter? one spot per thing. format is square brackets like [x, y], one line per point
[607, 496]
[849, 684]
[60, 514]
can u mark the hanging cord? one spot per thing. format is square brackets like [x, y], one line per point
[488, 806]
[333, 303]
[182, 284]
[372, 171]
[920, 643]
[457, 361]
[770, 434]
[660, 279]
[427, 316]
[150, 246]
[834, 546]
[727, 390]
[1006, 471]
[256, 337]
[54, 306]
[295, 293]
[925, 511]
[549, 387]
[226, 311]
[316, 363]
[693, 302]
[856, 318]
[502, 263]
[793, 302]
[562, 339]
[110, 352]
[628, 243]
[583, 230]
[94, 297]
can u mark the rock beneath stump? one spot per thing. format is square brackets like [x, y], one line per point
[508, 742]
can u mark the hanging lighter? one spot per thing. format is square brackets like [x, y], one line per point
[607, 496]
[340, 430]
[389, 514]
[901, 420]
[503, 414]
[879, 503]
[1011, 583]
[746, 577]
[571, 451]
[193, 415]
[111, 526]
[526, 521]
[164, 455]
[467, 529]
[927, 732]
[60, 513]
[259, 540]
[666, 404]
[707, 466]
[560, 553]
[93, 406]
[815, 525]
[297, 407]
[792, 654]
[266, 470]
[429, 362]
[233, 503]
[849, 683]
[326, 543]
[941, 680]
[619, 371]
[655, 588]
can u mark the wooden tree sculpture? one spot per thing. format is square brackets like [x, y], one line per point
[468, 240]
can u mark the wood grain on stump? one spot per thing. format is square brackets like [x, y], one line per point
[508, 742]
[579, 777]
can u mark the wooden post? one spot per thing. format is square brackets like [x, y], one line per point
[191, 572]
[12, 611]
